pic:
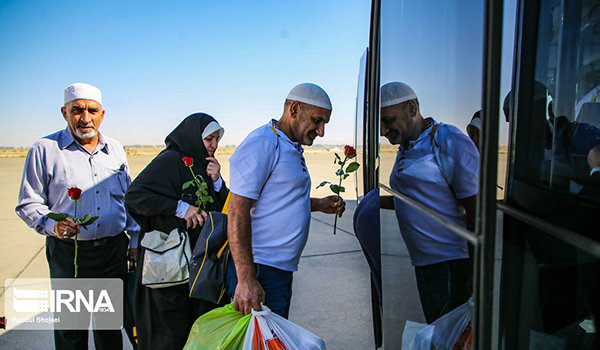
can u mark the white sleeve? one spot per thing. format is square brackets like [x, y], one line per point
[182, 208]
[218, 184]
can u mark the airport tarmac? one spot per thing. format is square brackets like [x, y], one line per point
[331, 288]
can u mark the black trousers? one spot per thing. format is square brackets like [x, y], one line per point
[107, 260]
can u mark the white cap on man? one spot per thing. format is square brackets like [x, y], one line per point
[310, 94]
[396, 92]
[81, 91]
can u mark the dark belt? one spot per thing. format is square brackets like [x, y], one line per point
[92, 243]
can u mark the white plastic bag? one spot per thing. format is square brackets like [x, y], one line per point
[267, 330]
[449, 332]
[410, 331]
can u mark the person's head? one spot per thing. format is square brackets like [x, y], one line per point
[211, 136]
[197, 136]
[307, 109]
[540, 96]
[551, 112]
[401, 120]
[83, 111]
[506, 106]
[474, 128]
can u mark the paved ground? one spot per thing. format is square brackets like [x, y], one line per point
[331, 288]
[331, 291]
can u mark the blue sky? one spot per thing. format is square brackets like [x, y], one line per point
[436, 47]
[157, 62]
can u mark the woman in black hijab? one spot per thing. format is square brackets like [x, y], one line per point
[156, 200]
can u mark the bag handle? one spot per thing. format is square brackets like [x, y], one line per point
[277, 148]
[435, 156]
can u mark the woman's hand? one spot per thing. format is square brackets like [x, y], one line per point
[192, 217]
[213, 169]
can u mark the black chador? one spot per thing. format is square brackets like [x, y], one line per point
[165, 316]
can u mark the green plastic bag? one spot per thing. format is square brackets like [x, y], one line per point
[220, 329]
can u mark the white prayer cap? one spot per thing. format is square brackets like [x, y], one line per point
[310, 94]
[476, 122]
[212, 127]
[81, 91]
[396, 92]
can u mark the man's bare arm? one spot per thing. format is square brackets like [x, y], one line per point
[328, 205]
[248, 293]
[470, 205]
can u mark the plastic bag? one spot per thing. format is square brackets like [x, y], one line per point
[450, 332]
[219, 329]
[410, 331]
[269, 331]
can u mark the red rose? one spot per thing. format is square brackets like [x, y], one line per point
[74, 193]
[189, 161]
[349, 152]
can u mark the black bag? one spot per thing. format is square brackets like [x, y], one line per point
[210, 256]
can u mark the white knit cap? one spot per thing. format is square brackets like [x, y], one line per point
[81, 91]
[396, 92]
[310, 94]
[212, 127]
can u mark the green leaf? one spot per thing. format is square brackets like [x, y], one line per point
[339, 172]
[323, 184]
[85, 218]
[345, 176]
[89, 220]
[337, 189]
[57, 216]
[205, 192]
[187, 184]
[210, 200]
[352, 167]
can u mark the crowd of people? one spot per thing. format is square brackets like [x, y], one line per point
[436, 165]
[269, 180]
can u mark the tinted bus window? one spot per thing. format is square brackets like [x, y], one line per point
[560, 113]
[436, 48]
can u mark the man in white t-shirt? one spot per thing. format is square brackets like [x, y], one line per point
[437, 166]
[270, 205]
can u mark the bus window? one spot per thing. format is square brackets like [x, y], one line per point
[560, 114]
[550, 264]
[436, 49]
